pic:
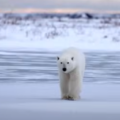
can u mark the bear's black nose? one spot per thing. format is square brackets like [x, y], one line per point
[64, 69]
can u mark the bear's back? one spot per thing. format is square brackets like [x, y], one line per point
[74, 52]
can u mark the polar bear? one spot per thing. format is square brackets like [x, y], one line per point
[71, 68]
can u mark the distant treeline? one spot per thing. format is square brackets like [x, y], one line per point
[58, 15]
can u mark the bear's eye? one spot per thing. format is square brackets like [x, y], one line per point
[72, 58]
[61, 62]
[67, 62]
[57, 58]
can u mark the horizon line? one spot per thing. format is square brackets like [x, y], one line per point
[58, 10]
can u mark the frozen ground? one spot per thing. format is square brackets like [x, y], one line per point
[28, 73]
[42, 101]
[29, 87]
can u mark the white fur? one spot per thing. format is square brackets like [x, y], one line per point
[71, 79]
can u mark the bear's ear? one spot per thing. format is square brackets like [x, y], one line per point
[72, 58]
[58, 58]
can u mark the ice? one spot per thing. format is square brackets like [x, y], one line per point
[44, 98]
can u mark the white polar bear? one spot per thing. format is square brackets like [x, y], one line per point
[71, 67]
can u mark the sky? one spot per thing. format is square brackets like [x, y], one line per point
[96, 5]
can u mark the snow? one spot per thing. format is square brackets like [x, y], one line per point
[96, 99]
[55, 46]
[55, 35]
[28, 101]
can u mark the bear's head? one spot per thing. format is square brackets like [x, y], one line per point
[66, 63]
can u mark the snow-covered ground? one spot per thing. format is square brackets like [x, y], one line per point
[57, 34]
[28, 50]
[42, 101]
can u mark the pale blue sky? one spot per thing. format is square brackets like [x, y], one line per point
[53, 4]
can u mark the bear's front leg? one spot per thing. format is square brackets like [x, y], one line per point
[74, 90]
[64, 86]
[64, 89]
